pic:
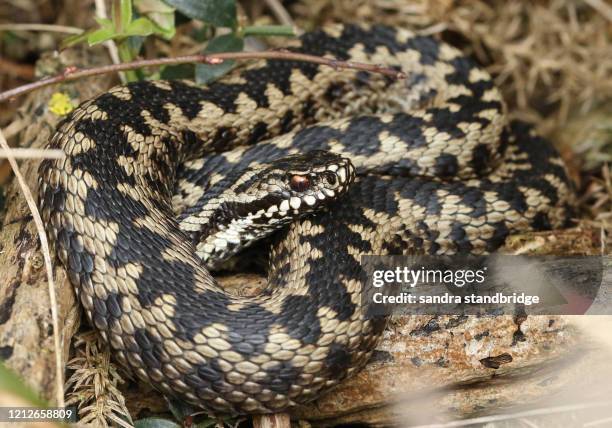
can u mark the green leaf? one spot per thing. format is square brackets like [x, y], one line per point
[220, 13]
[12, 384]
[74, 40]
[146, 7]
[139, 27]
[202, 34]
[225, 43]
[160, 14]
[205, 73]
[126, 14]
[134, 44]
[100, 36]
[165, 32]
[155, 423]
[104, 22]
[269, 30]
[180, 71]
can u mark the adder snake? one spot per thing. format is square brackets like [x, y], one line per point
[164, 177]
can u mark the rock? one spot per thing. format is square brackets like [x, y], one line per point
[432, 369]
[26, 332]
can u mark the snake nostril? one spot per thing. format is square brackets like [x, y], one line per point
[330, 178]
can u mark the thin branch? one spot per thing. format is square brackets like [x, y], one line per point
[74, 73]
[44, 246]
[28, 153]
[41, 27]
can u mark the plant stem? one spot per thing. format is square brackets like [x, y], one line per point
[125, 54]
[269, 30]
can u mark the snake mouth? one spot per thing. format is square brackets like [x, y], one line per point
[317, 178]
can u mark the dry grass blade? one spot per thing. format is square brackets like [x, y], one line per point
[44, 245]
[41, 27]
[19, 153]
[93, 384]
[280, 12]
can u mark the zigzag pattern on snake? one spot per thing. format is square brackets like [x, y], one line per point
[156, 172]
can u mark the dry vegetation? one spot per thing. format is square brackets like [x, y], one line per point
[93, 386]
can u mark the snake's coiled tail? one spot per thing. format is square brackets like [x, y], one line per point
[135, 188]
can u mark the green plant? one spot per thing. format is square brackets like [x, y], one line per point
[11, 384]
[132, 21]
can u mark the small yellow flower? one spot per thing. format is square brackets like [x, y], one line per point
[60, 104]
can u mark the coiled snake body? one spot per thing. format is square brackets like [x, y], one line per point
[158, 173]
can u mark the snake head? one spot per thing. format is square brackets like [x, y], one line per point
[302, 183]
[263, 198]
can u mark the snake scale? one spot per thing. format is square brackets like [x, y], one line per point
[164, 178]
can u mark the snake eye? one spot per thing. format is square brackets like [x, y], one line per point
[330, 178]
[299, 183]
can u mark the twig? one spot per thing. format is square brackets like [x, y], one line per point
[528, 413]
[44, 246]
[41, 27]
[18, 153]
[73, 73]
